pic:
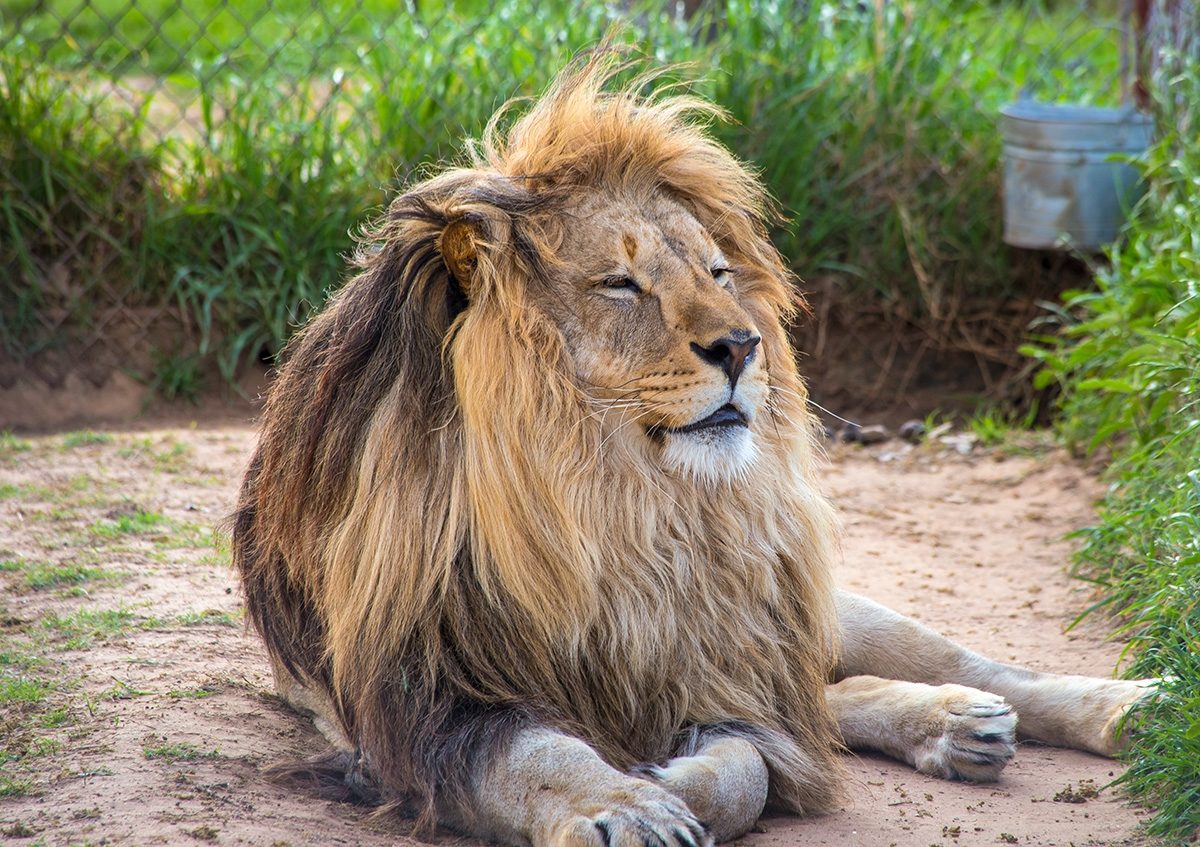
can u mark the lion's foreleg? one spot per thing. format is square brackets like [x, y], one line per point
[1064, 710]
[310, 700]
[724, 783]
[548, 788]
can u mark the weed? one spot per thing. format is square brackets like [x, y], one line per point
[137, 522]
[23, 689]
[18, 659]
[43, 747]
[177, 377]
[122, 691]
[185, 535]
[38, 576]
[1128, 365]
[55, 717]
[173, 459]
[85, 438]
[179, 752]
[211, 616]
[11, 786]
[169, 456]
[80, 629]
[10, 444]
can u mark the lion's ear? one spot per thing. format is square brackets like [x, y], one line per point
[458, 249]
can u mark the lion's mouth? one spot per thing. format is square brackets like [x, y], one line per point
[726, 416]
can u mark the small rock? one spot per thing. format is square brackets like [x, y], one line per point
[874, 434]
[912, 431]
[961, 442]
[830, 434]
[852, 434]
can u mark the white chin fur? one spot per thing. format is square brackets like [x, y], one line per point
[712, 455]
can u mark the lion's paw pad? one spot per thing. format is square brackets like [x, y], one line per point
[977, 738]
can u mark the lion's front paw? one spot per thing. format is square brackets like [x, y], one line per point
[977, 737]
[638, 814]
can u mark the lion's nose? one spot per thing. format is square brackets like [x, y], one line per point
[730, 353]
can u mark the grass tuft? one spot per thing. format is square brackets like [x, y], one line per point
[211, 617]
[86, 438]
[39, 576]
[139, 522]
[23, 689]
[11, 786]
[179, 752]
[83, 628]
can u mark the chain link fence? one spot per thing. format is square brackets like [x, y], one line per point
[178, 177]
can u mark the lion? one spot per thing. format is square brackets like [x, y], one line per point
[533, 529]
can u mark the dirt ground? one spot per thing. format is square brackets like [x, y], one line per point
[135, 709]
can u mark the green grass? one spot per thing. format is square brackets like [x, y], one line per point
[84, 627]
[11, 444]
[1128, 365]
[139, 522]
[15, 658]
[211, 617]
[877, 133]
[56, 717]
[179, 752]
[167, 455]
[39, 576]
[11, 786]
[23, 689]
[86, 438]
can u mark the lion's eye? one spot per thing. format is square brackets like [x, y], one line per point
[621, 283]
[723, 276]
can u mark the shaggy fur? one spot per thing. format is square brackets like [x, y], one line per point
[437, 531]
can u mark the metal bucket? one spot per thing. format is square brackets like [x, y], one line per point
[1060, 187]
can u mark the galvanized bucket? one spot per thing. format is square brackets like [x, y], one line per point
[1061, 188]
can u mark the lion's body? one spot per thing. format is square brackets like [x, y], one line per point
[451, 546]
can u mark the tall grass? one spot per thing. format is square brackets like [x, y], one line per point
[875, 129]
[1129, 367]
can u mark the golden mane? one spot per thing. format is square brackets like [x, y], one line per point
[434, 530]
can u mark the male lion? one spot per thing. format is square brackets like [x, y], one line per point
[533, 528]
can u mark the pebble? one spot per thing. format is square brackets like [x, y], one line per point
[912, 431]
[852, 433]
[874, 434]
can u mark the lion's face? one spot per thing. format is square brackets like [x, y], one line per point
[649, 307]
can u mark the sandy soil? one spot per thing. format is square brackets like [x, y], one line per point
[149, 724]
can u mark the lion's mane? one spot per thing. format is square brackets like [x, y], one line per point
[434, 531]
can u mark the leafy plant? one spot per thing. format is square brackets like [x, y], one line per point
[873, 124]
[1129, 369]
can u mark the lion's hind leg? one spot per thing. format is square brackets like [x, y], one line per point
[1084, 713]
[949, 731]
